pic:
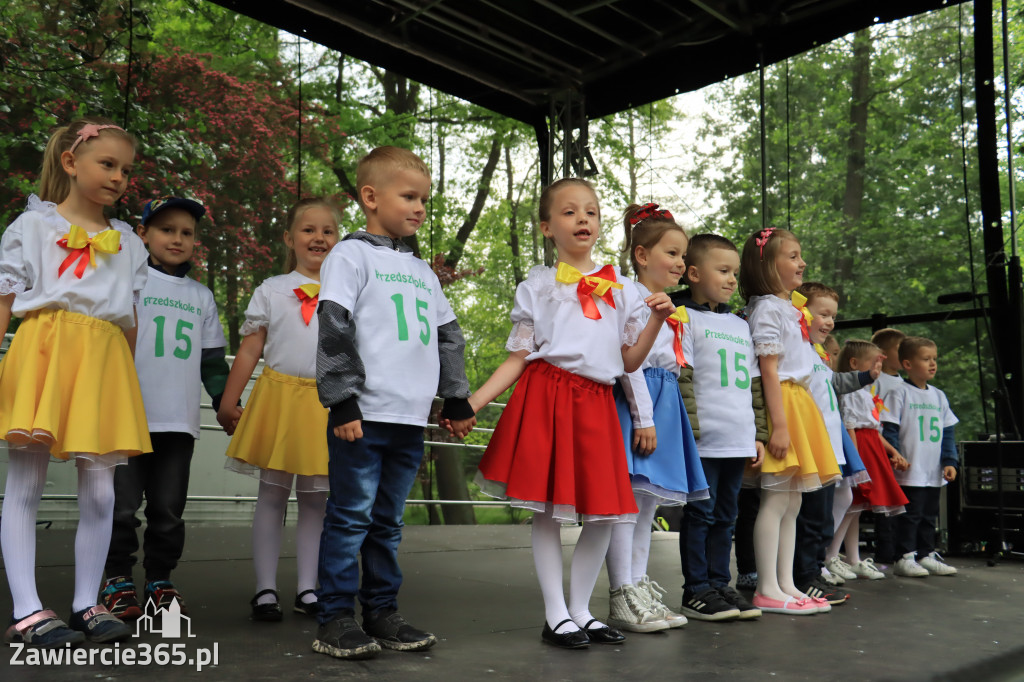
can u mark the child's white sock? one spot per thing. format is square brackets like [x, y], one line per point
[590, 551]
[26, 477]
[308, 528]
[648, 505]
[267, 520]
[95, 523]
[546, 536]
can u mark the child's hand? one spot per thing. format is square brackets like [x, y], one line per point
[228, 416]
[351, 431]
[758, 459]
[778, 444]
[949, 473]
[876, 369]
[661, 305]
[460, 428]
[644, 440]
[899, 463]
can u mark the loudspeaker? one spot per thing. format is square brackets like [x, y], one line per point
[973, 506]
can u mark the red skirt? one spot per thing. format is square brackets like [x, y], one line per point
[558, 447]
[882, 494]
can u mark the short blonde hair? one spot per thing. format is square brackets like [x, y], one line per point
[381, 162]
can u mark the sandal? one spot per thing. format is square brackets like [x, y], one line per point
[308, 608]
[99, 625]
[43, 629]
[270, 613]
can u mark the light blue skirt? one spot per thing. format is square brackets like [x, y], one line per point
[672, 472]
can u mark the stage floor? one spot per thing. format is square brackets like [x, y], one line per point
[475, 588]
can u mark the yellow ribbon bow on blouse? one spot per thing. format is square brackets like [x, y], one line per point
[821, 351]
[676, 321]
[309, 294]
[84, 248]
[598, 284]
[800, 303]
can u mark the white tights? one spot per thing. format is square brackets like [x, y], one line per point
[775, 544]
[630, 546]
[26, 477]
[848, 532]
[267, 523]
[586, 566]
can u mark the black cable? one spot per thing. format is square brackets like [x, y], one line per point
[789, 190]
[131, 57]
[298, 184]
[967, 207]
[764, 150]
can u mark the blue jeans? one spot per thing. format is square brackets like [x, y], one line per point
[705, 536]
[370, 480]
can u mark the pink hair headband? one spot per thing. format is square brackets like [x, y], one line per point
[90, 130]
[766, 234]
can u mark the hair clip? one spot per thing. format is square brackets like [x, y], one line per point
[649, 211]
[90, 130]
[766, 234]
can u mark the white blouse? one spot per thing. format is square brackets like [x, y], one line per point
[857, 409]
[548, 321]
[30, 259]
[775, 330]
[634, 384]
[291, 344]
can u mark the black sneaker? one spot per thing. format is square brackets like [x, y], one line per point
[819, 589]
[120, 598]
[708, 605]
[392, 632]
[734, 598]
[160, 594]
[343, 638]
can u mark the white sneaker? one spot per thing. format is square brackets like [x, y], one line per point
[831, 578]
[628, 610]
[908, 567]
[837, 566]
[934, 564]
[654, 592]
[865, 568]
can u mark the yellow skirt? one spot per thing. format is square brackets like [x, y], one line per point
[809, 463]
[69, 382]
[283, 428]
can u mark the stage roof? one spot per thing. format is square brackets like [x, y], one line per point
[512, 55]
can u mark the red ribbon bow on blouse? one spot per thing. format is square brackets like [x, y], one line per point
[676, 321]
[800, 303]
[83, 248]
[879, 405]
[309, 294]
[599, 284]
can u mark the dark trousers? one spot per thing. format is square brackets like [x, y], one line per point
[705, 537]
[750, 504]
[915, 529]
[814, 531]
[370, 479]
[162, 477]
[885, 539]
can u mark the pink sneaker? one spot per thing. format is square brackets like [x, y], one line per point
[791, 605]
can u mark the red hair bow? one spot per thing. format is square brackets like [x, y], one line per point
[649, 211]
[766, 234]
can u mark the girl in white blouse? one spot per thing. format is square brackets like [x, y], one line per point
[800, 456]
[281, 435]
[68, 387]
[557, 449]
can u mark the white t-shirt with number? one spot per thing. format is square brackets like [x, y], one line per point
[177, 320]
[887, 383]
[921, 414]
[825, 398]
[290, 347]
[719, 348]
[548, 321]
[397, 305]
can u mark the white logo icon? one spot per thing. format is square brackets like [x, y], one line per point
[165, 621]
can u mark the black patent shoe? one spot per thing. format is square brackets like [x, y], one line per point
[603, 635]
[577, 639]
[270, 613]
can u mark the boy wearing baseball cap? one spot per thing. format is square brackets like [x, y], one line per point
[180, 343]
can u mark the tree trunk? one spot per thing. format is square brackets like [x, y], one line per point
[853, 197]
[513, 222]
[632, 166]
[231, 307]
[483, 189]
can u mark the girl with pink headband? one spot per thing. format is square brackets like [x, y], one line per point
[68, 386]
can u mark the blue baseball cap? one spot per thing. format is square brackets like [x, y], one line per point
[156, 205]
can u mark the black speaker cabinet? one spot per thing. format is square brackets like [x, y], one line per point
[973, 505]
